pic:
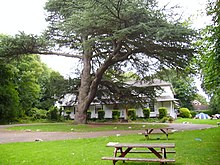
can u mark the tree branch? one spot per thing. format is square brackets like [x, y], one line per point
[59, 54]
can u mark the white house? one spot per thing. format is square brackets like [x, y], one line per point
[165, 98]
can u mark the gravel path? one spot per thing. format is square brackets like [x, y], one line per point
[7, 136]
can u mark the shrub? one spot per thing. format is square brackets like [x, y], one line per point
[101, 114]
[115, 114]
[170, 119]
[185, 113]
[193, 113]
[53, 114]
[36, 113]
[164, 119]
[132, 114]
[146, 112]
[162, 112]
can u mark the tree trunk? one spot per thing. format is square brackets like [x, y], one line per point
[89, 84]
[82, 106]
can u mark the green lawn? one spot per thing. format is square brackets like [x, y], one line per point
[68, 127]
[198, 121]
[198, 147]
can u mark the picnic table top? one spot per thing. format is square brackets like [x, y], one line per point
[161, 128]
[141, 145]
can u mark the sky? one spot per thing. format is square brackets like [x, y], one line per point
[29, 16]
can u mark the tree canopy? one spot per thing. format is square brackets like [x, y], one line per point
[209, 54]
[110, 34]
[26, 83]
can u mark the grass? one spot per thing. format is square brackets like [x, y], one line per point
[198, 147]
[67, 127]
[198, 121]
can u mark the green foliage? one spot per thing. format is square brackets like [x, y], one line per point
[208, 60]
[146, 112]
[26, 83]
[9, 96]
[101, 114]
[29, 71]
[193, 113]
[164, 119]
[170, 119]
[201, 99]
[20, 44]
[53, 85]
[162, 112]
[54, 114]
[36, 113]
[185, 113]
[214, 104]
[132, 114]
[115, 114]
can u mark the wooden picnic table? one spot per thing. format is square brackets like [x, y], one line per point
[166, 131]
[159, 149]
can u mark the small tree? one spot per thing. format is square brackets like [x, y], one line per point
[162, 112]
[132, 114]
[101, 114]
[146, 112]
[53, 114]
[115, 114]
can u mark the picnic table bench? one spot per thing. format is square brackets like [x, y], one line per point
[159, 150]
[166, 131]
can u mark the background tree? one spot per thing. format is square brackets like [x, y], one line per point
[27, 80]
[24, 83]
[110, 35]
[53, 86]
[209, 54]
[9, 104]
[201, 99]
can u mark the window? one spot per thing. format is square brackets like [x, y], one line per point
[122, 113]
[151, 106]
[97, 108]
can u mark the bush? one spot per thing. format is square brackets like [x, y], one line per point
[132, 114]
[146, 112]
[36, 113]
[53, 114]
[164, 119]
[101, 114]
[185, 113]
[193, 113]
[162, 112]
[170, 119]
[115, 114]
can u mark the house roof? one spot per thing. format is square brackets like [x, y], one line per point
[70, 99]
[155, 82]
[166, 98]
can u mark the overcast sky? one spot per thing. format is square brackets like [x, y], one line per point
[29, 16]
